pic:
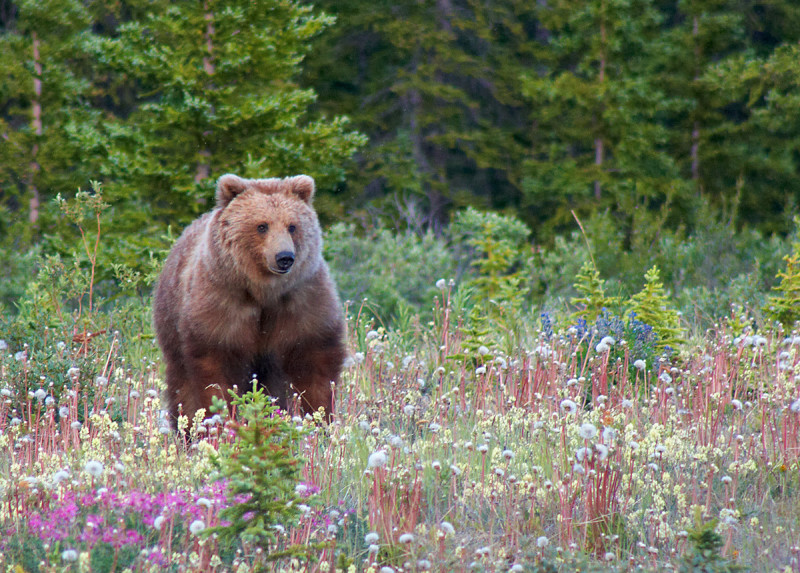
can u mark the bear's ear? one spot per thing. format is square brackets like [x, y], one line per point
[228, 187]
[302, 186]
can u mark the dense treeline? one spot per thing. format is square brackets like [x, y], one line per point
[649, 111]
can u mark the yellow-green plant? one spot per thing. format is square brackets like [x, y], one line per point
[652, 306]
[784, 305]
[593, 297]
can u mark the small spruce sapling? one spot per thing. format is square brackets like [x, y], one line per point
[263, 469]
[652, 306]
[784, 305]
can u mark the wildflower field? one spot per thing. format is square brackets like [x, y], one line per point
[488, 444]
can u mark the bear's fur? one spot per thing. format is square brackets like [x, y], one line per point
[245, 292]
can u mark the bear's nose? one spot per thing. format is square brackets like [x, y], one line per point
[284, 260]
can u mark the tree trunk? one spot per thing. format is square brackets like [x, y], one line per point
[598, 142]
[36, 122]
[203, 170]
[695, 150]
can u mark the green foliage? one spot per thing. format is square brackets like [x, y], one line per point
[784, 306]
[705, 555]
[593, 299]
[395, 272]
[263, 468]
[496, 248]
[652, 306]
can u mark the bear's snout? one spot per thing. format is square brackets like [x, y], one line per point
[284, 261]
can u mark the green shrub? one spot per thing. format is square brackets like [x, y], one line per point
[396, 273]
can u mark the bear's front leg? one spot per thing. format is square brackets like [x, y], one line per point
[310, 368]
[206, 379]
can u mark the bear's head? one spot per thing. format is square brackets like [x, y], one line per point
[268, 228]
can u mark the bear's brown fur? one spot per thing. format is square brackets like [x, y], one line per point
[245, 292]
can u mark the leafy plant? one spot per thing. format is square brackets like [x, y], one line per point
[705, 554]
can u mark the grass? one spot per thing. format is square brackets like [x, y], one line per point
[543, 449]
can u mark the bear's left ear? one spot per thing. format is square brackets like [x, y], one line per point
[302, 186]
[228, 187]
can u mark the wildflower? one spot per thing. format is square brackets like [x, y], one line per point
[408, 410]
[499, 472]
[609, 434]
[406, 538]
[640, 365]
[587, 431]
[441, 284]
[73, 373]
[627, 404]
[483, 448]
[94, 468]
[737, 404]
[358, 357]
[371, 538]
[197, 526]
[602, 451]
[3, 345]
[5, 392]
[20, 356]
[542, 542]
[482, 350]
[726, 479]
[377, 459]
[569, 406]
[447, 528]
[608, 340]
[69, 555]
[633, 445]
[436, 465]
[582, 454]
[205, 502]
[60, 476]
[660, 449]
[423, 564]
[40, 394]
[572, 382]
[158, 522]
[101, 380]
[508, 454]
[386, 570]
[480, 370]
[516, 568]
[609, 556]
[795, 407]
[434, 427]
[579, 469]
[665, 378]
[602, 348]
[372, 335]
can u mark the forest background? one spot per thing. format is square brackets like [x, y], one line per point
[668, 129]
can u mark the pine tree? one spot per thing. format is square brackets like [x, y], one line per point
[217, 92]
[595, 106]
[44, 103]
[652, 306]
[434, 85]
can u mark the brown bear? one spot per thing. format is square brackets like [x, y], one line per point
[245, 293]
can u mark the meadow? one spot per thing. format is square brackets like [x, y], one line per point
[475, 431]
[543, 449]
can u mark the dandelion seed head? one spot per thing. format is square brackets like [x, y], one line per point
[640, 365]
[69, 555]
[197, 526]
[569, 406]
[377, 459]
[371, 537]
[406, 538]
[542, 542]
[587, 431]
[94, 468]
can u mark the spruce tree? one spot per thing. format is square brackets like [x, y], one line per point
[44, 105]
[217, 92]
[595, 110]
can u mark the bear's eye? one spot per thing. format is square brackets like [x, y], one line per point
[263, 228]
[292, 229]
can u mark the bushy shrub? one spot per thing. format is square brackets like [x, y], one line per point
[395, 272]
